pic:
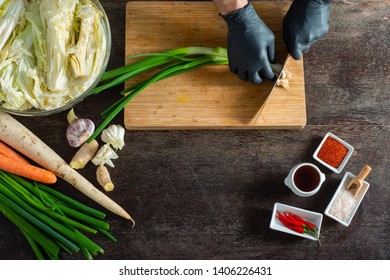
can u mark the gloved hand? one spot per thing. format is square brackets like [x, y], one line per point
[304, 23]
[251, 45]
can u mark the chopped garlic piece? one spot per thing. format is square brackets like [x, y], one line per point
[284, 79]
[105, 155]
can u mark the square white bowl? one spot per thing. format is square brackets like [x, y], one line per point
[345, 202]
[313, 217]
[346, 158]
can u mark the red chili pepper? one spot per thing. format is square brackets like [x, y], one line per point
[293, 216]
[298, 218]
[296, 228]
[289, 220]
[299, 229]
[296, 225]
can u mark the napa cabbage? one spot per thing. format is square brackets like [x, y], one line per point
[53, 52]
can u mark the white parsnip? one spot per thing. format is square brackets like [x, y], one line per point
[23, 140]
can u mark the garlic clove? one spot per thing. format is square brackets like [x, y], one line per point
[105, 155]
[114, 135]
[79, 131]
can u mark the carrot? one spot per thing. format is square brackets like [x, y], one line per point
[16, 135]
[27, 170]
[8, 152]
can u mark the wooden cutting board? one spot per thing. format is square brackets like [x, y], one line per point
[209, 97]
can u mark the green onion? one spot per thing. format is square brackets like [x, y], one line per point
[34, 201]
[72, 203]
[50, 221]
[74, 210]
[172, 62]
[34, 234]
[35, 247]
[42, 225]
[167, 64]
[159, 58]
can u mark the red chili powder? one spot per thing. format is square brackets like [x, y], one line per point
[332, 152]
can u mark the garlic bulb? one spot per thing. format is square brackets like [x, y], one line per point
[71, 116]
[114, 135]
[104, 156]
[79, 131]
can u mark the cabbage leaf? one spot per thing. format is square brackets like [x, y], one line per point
[51, 51]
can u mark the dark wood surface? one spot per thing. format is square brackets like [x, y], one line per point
[209, 194]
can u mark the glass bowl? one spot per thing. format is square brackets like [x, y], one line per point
[38, 112]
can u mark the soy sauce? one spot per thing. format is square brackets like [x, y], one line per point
[306, 178]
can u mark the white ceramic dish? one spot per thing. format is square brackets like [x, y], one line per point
[289, 181]
[343, 205]
[313, 217]
[346, 158]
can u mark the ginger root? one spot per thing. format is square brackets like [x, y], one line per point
[84, 154]
[104, 179]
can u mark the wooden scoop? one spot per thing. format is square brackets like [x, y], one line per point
[357, 183]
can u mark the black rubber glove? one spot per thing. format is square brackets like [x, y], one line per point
[304, 23]
[251, 45]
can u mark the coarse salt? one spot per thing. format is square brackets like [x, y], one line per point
[344, 204]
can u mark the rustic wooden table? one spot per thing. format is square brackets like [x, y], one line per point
[209, 194]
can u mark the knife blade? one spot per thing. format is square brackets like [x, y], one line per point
[280, 73]
[276, 82]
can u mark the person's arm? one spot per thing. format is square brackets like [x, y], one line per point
[227, 6]
[251, 44]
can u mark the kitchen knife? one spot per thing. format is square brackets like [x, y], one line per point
[276, 82]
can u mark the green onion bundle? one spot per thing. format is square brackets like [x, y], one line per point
[168, 63]
[50, 220]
